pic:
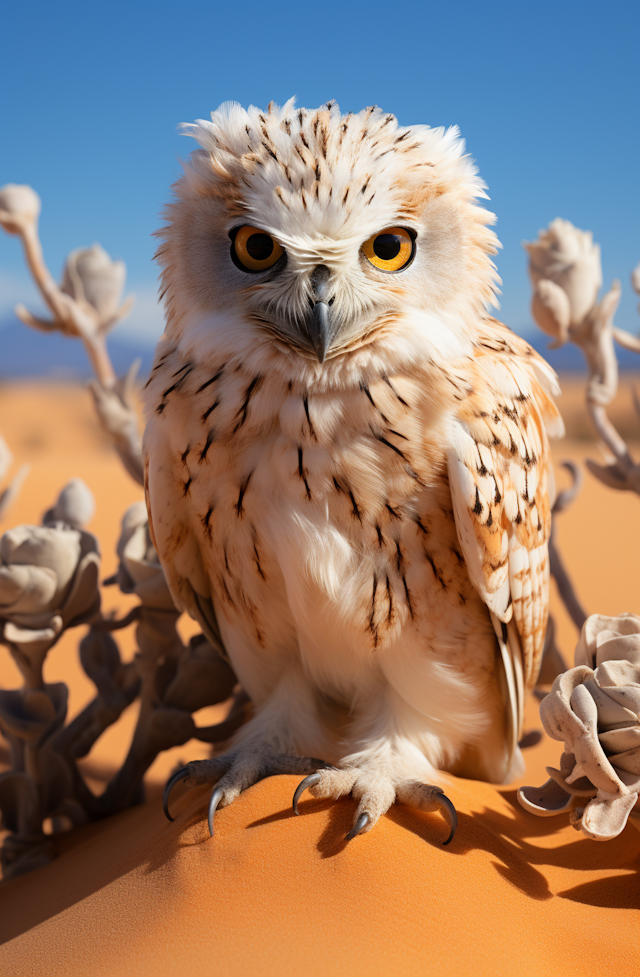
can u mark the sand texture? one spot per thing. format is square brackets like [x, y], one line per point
[275, 894]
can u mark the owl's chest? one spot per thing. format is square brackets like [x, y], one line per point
[253, 452]
[319, 503]
[319, 513]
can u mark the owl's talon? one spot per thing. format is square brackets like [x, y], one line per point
[180, 774]
[313, 778]
[451, 815]
[359, 826]
[216, 796]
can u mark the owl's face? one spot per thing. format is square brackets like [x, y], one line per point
[323, 231]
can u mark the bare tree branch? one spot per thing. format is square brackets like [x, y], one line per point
[115, 409]
[553, 663]
[87, 305]
[565, 269]
[72, 315]
[567, 496]
[563, 582]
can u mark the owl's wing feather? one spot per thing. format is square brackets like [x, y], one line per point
[172, 534]
[502, 489]
[508, 641]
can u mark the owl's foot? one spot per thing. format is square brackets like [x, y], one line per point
[376, 794]
[234, 772]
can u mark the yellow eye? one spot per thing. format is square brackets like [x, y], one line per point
[254, 249]
[391, 249]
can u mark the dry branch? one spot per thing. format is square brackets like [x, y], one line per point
[553, 663]
[558, 571]
[49, 583]
[87, 305]
[566, 273]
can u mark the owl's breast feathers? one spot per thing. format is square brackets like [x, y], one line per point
[384, 462]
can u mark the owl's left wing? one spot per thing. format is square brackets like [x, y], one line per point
[502, 489]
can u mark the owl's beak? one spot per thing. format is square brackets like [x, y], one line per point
[319, 329]
[318, 323]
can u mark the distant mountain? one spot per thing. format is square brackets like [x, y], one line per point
[25, 352]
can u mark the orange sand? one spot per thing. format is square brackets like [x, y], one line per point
[275, 894]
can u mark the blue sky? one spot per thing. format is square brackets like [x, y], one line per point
[545, 94]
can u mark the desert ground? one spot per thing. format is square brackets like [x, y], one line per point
[275, 894]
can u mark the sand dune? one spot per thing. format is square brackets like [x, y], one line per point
[275, 894]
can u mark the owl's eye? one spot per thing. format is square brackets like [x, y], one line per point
[253, 249]
[391, 249]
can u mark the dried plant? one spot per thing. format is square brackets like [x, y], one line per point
[594, 708]
[86, 305]
[115, 407]
[49, 583]
[566, 273]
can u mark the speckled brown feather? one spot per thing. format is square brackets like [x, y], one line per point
[506, 453]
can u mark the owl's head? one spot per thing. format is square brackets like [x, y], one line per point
[320, 233]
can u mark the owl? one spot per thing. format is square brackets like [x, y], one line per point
[347, 467]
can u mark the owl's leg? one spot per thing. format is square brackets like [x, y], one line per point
[389, 763]
[263, 748]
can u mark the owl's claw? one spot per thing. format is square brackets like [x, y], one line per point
[359, 826]
[313, 778]
[216, 796]
[376, 796]
[180, 774]
[449, 810]
[311, 781]
[235, 771]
